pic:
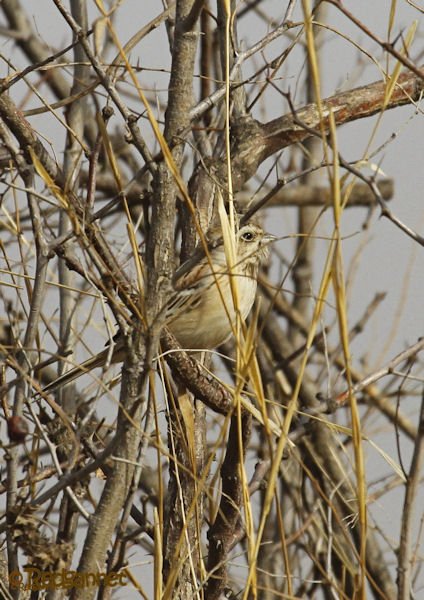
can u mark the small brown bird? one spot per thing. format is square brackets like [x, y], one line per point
[201, 314]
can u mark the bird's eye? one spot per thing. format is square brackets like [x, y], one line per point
[248, 236]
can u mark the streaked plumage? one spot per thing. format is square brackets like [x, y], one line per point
[201, 314]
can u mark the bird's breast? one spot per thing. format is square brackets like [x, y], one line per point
[210, 319]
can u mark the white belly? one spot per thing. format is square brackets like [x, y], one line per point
[211, 320]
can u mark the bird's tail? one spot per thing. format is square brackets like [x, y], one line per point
[98, 360]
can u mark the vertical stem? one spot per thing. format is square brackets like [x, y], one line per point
[405, 559]
[72, 162]
[26, 358]
[307, 217]
[160, 255]
[75, 116]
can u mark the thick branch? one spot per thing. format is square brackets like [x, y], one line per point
[254, 142]
[192, 376]
[224, 530]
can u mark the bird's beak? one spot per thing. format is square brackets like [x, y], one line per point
[268, 238]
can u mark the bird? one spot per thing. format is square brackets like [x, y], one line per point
[201, 312]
